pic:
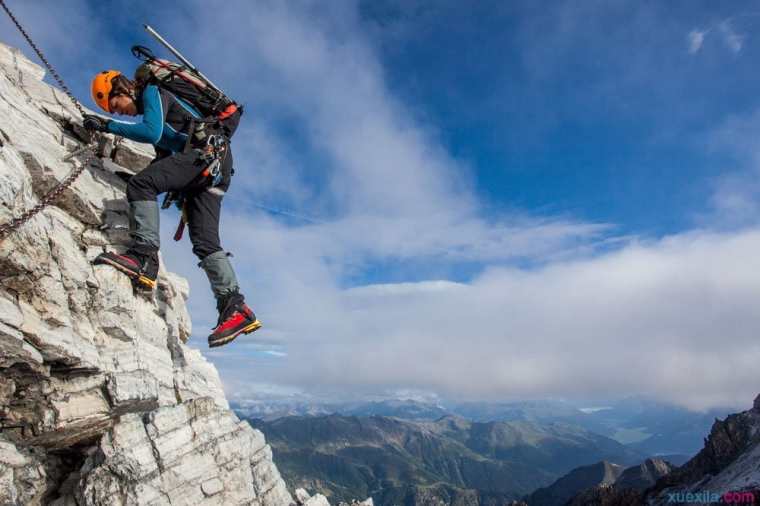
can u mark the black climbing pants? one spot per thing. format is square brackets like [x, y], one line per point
[203, 205]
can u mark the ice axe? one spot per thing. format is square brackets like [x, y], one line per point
[145, 53]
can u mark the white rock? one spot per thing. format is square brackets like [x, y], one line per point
[59, 345]
[19, 64]
[92, 367]
[178, 448]
[302, 495]
[133, 391]
[10, 313]
[14, 350]
[22, 477]
[196, 377]
[212, 486]
[317, 500]
[10, 456]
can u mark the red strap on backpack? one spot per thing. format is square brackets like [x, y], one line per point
[229, 111]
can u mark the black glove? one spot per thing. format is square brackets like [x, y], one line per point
[95, 123]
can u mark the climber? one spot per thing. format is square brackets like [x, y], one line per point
[179, 166]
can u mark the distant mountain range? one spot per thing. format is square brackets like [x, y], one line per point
[651, 428]
[399, 408]
[726, 470]
[401, 452]
[451, 459]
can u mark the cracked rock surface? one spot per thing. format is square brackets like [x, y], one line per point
[101, 400]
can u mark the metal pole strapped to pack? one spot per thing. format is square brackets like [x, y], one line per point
[181, 58]
[52, 195]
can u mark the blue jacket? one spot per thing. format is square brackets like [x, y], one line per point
[165, 124]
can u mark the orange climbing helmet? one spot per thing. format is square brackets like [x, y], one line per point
[102, 86]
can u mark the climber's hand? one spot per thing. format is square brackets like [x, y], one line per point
[95, 123]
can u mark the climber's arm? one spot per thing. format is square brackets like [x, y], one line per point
[152, 126]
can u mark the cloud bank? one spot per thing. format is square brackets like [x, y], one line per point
[358, 272]
[670, 318]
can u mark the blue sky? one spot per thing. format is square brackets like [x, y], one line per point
[480, 200]
[586, 108]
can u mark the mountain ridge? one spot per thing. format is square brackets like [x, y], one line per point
[450, 459]
[728, 467]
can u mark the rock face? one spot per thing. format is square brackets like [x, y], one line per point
[643, 476]
[607, 496]
[101, 401]
[601, 474]
[728, 467]
[729, 462]
[627, 489]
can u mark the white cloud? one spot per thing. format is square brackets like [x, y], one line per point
[731, 38]
[388, 189]
[735, 201]
[673, 318]
[696, 39]
[74, 36]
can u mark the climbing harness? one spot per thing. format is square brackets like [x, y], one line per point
[209, 136]
[15, 223]
[212, 155]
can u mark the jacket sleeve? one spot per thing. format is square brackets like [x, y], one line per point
[152, 126]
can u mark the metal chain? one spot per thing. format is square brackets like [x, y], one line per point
[15, 223]
[50, 68]
[52, 195]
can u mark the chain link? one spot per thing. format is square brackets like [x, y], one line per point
[51, 196]
[55, 193]
[50, 68]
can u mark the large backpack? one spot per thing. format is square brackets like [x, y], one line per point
[216, 108]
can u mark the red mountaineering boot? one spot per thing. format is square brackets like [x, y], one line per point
[235, 318]
[142, 268]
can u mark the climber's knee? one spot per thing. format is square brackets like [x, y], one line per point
[141, 187]
[205, 248]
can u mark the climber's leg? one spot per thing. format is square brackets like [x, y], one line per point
[235, 317]
[141, 267]
[140, 262]
[203, 213]
[172, 173]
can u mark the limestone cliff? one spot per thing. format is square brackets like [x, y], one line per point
[101, 401]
